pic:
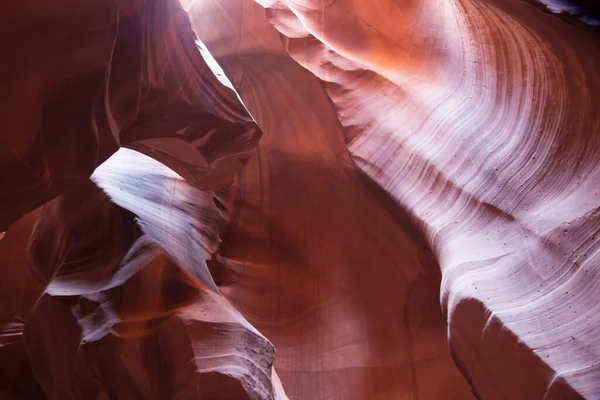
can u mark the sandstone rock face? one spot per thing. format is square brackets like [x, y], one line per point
[310, 200]
[80, 80]
[484, 127]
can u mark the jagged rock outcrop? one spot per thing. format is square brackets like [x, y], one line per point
[418, 220]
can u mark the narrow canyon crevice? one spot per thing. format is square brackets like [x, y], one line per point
[299, 199]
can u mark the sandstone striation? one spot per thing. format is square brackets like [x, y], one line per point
[303, 199]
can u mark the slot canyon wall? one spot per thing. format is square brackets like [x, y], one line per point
[299, 199]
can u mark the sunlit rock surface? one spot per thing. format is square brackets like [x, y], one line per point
[480, 119]
[81, 79]
[419, 219]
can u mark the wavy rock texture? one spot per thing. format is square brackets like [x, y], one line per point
[410, 149]
[81, 79]
[479, 118]
[111, 305]
[298, 257]
[99, 301]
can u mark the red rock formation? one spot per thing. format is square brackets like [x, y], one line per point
[471, 129]
[82, 79]
[427, 178]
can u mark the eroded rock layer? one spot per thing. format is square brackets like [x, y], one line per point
[81, 79]
[481, 119]
[418, 221]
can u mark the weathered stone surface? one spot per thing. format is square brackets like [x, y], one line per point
[81, 79]
[480, 119]
[346, 199]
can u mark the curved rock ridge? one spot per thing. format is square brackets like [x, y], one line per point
[81, 79]
[344, 287]
[105, 302]
[480, 118]
[419, 219]
[115, 302]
